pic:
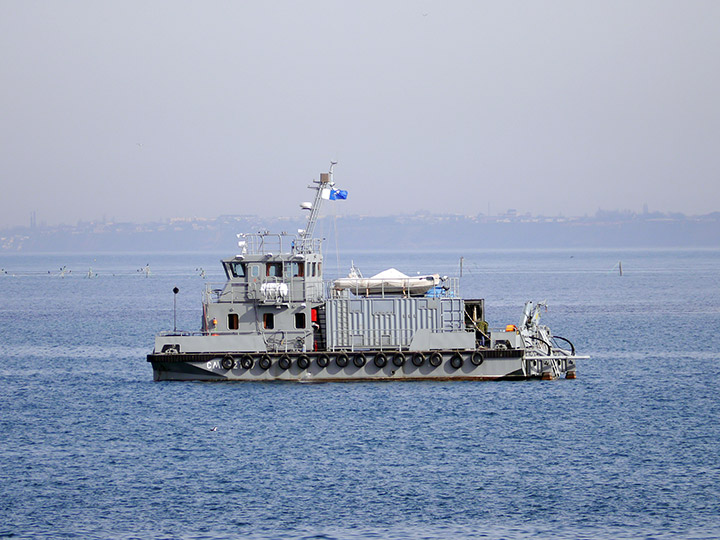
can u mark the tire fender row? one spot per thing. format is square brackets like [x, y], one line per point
[359, 360]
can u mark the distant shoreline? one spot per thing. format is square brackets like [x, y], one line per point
[398, 233]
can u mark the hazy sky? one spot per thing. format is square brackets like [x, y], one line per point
[144, 110]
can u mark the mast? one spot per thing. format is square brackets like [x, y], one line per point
[323, 187]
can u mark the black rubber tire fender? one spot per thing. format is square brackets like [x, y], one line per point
[323, 361]
[284, 362]
[359, 360]
[246, 361]
[418, 359]
[265, 362]
[228, 362]
[342, 360]
[435, 359]
[398, 359]
[380, 360]
[457, 361]
[477, 358]
[303, 361]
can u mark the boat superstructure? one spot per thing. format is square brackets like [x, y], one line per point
[276, 318]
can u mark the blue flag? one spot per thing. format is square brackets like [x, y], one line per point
[337, 194]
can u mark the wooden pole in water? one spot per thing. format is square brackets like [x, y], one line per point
[620, 267]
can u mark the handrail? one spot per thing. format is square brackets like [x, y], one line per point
[265, 242]
[451, 290]
[299, 289]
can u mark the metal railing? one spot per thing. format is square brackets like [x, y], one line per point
[305, 246]
[298, 290]
[450, 288]
[264, 242]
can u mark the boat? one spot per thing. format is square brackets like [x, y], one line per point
[390, 281]
[276, 318]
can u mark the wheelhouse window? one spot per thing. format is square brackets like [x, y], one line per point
[273, 269]
[233, 321]
[254, 270]
[299, 320]
[298, 269]
[238, 269]
[269, 321]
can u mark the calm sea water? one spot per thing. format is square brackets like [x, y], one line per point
[91, 447]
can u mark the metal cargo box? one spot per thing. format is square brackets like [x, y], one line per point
[376, 323]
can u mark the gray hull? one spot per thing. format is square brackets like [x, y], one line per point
[360, 366]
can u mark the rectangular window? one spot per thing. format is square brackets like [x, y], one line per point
[299, 320]
[298, 269]
[237, 269]
[273, 269]
[255, 270]
[269, 321]
[232, 321]
[319, 269]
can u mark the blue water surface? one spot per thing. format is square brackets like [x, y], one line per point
[91, 447]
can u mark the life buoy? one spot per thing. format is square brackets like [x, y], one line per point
[477, 358]
[359, 360]
[456, 361]
[435, 359]
[284, 362]
[303, 362]
[265, 362]
[323, 361]
[342, 360]
[228, 362]
[418, 359]
[380, 360]
[398, 359]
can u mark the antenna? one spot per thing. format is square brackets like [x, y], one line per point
[325, 184]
